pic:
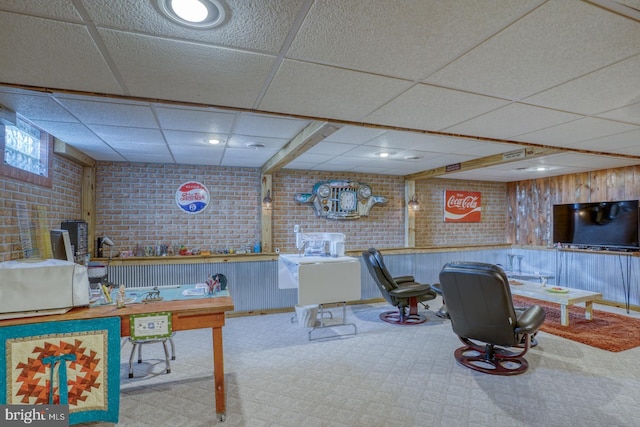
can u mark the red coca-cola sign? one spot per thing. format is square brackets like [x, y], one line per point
[462, 206]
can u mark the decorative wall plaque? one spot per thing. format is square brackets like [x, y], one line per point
[340, 199]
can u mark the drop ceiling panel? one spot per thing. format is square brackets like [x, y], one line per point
[194, 120]
[116, 138]
[270, 126]
[61, 9]
[369, 41]
[511, 120]
[619, 143]
[243, 141]
[355, 135]
[110, 113]
[246, 157]
[630, 114]
[610, 88]
[197, 155]
[557, 42]
[29, 58]
[272, 17]
[177, 139]
[568, 134]
[330, 148]
[433, 108]
[155, 68]
[35, 107]
[326, 92]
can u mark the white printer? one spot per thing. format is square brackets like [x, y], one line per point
[41, 287]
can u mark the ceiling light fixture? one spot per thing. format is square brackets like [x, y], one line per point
[255, 145]
[213, 141]
[267, 202]
[383, 154]
[412, 157]
[198, 14]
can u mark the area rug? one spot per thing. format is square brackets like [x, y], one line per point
[607, 331]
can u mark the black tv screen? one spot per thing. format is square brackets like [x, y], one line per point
[606, 225]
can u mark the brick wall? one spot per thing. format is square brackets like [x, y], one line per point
[384, 227]
[431, 230]
[135, 205]
[61, 202]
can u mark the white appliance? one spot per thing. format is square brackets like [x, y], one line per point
[41, 287]
[320, 279]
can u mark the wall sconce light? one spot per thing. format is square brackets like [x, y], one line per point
[267, 202]
[413, 203]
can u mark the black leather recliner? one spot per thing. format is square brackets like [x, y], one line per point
[495, 335]
[402, 292]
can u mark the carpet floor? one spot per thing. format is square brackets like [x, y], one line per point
[386, 375]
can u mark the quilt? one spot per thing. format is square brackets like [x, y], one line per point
[67, 362]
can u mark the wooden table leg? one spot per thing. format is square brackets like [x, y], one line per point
[218, 373]
[564, 314]
[588, 310]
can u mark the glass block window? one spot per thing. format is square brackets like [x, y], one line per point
[26, 152]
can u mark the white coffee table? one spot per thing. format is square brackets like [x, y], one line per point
[573, 296]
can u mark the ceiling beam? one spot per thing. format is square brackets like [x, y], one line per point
[311, 135]
[496, 159]
[65, 150]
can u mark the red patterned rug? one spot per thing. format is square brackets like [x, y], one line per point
[608, 331]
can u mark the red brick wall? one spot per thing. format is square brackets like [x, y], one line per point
[135, 204]
[384, 227]
[431, 230]
[61, 202]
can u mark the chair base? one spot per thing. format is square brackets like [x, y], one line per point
[490, 359]
[397, 318]
[138, 344]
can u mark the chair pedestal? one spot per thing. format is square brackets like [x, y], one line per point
[491, 359]
[399, 317]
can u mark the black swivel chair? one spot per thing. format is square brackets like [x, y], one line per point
[479, 304]
[405, 294]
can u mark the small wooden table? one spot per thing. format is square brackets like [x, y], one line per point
[536, 291]
[185, 314]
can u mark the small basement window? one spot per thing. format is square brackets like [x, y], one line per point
[26, 152]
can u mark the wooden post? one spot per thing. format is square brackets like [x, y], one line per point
[88, 201]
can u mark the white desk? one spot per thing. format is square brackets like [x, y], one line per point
[320, 280]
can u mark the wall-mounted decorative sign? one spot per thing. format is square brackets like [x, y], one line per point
[340, 199]
[192, 197]
[462, 206]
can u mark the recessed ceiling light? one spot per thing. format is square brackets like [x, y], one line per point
[412, 157]
[541, 168]
[255, 145]
[383, 154]
[198, 14]
[213, 141]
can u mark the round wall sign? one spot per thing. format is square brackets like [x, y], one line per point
[192, 197]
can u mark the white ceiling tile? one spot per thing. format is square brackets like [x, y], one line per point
[113, 136]
[270, 126]
[330, 148]
[193, 139]
[29, 58]
[369, 41]
[194, 120]
[243, 141]
[246, 158]
[557, 42]
[35, 106]
[155, 68]
[629, 114]
[568, 134]
[197, 155]
[110, 113]
[432, 108]
[326, 92]
[355, 134]
[606, 89]
[618, 143]
[61, 9]
[272, 17]
[511, 120]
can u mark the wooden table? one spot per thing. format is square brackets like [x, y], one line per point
[537, 291]
[185, 314]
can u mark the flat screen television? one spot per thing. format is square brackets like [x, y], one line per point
[605, 225]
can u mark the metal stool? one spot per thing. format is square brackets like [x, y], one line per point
[139, 343]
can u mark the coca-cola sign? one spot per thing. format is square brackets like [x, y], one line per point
[462, 206]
